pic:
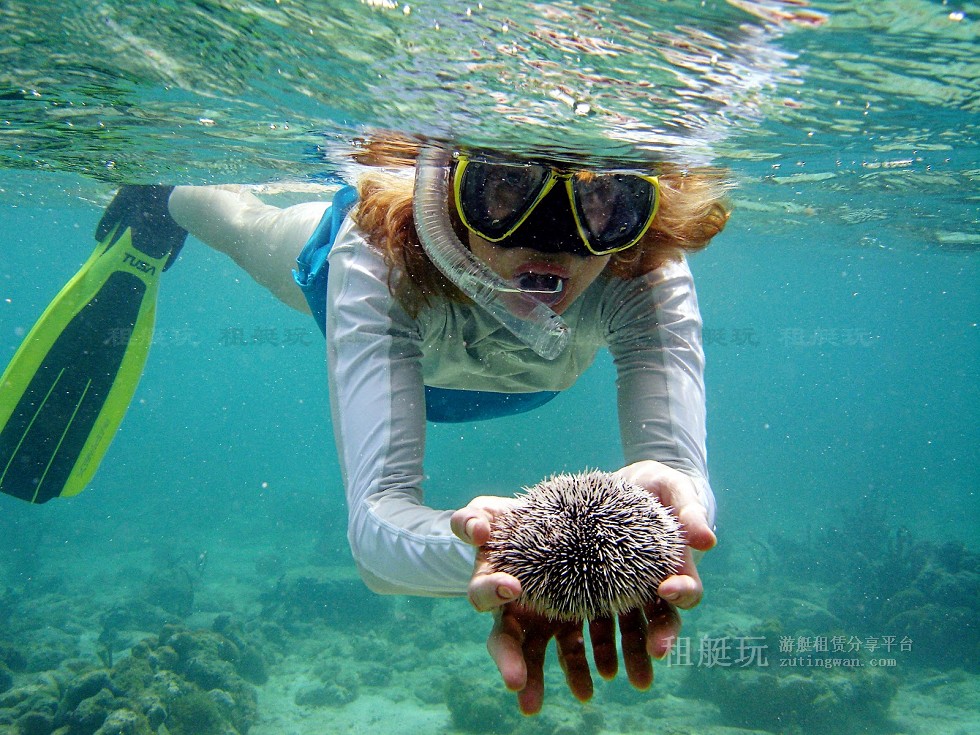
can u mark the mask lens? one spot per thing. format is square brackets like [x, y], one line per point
[494, 198]
[614, 210]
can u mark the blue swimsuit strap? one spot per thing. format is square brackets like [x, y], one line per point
[311, 265]
[442, 405]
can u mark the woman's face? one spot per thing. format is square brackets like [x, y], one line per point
[575, 273]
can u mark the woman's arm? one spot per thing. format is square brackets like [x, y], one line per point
[263, 239]
[655, 340]
[376, 390]
[378, 407]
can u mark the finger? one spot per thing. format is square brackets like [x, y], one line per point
[681, 590]
[678, 491]
[684, 589]
[663, 625]
[488, 591]
[688, 566]
[602, 632]
[531, 697]
[471, 524]
[504, 646]
[694, 520]
[633, 630]
[571, 656]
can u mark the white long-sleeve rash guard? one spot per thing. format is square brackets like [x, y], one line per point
[379, 360]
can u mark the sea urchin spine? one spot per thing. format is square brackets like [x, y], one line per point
[586, 545]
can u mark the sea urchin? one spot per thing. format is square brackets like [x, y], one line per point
[586, 545]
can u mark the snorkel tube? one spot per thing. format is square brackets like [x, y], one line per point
[531, 321]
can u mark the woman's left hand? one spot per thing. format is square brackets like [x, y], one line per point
[520, 637]
[682, 590]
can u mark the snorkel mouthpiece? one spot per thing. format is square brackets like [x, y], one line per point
[528, 318]
[539, 283]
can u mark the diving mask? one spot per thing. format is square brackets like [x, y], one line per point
[607, 212]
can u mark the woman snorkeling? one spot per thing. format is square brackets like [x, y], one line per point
[481, 287]
[455, 287]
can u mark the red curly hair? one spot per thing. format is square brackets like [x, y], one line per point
[692, 210]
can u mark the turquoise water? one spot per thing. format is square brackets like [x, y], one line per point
[840, 309]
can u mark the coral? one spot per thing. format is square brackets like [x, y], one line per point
[476, 706]
[314, 594]
[33, 704]
[184, 679]
[83, 687]
[125, 722]
[133, 674]
[12, 657]
[195, 713]
[49, 647]
[134, 615]
[172, 590]
[35, 723]
[881, 581]
[251, 662]
[251, 666]
[811, 695]
[87, 716]
[208, 660]
[338, 686]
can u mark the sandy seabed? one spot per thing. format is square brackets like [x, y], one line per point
[319, 654]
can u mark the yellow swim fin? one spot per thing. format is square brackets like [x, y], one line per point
[67, 388]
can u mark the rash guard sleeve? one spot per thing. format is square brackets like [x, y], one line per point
[377, 401]
[655, 339]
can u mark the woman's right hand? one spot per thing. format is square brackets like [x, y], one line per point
[519, 637]
[488, 590]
